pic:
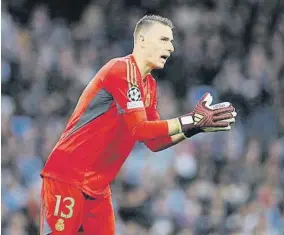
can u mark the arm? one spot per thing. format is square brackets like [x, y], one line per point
[225, 114]
[143, 129]
[165, 142]
[162, 143]
[122, 84]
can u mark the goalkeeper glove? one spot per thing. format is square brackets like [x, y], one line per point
[206, 118]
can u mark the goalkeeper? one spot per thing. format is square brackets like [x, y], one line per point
[117, 108]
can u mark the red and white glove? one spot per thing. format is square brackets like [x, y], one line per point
[208, 118]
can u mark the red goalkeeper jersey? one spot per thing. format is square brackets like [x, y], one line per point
[115, 110]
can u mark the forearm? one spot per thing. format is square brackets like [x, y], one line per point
[204, 118]
[144, 130]
[156, 129]
[162, 143]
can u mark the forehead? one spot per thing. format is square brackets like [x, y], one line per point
[160, 30]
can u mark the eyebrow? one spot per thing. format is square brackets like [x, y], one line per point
[167, 38]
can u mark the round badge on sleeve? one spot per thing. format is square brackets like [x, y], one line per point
[134, 94]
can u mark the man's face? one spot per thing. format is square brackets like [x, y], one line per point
[158, 45]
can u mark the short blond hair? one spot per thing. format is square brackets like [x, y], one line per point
[147, 20]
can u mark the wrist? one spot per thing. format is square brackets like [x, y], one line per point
[174, 126]
[187, 125]
[192, 131]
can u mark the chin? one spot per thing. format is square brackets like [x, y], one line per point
[156, 65]
[159, 66]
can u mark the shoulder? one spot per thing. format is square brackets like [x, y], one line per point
[117, 66]
[115, 72]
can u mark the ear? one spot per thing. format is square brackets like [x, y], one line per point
[141, 40]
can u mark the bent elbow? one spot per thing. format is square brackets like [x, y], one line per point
[155, 150]
[153, 146]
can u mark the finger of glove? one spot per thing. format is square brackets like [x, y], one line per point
[220, 105]
[215, 129]
[221, 124]
[224, 110]
[206, 99]
[223, 117]
[231, 120]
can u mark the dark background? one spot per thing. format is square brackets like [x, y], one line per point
[221, 183]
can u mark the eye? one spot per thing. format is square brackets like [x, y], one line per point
[164, 39]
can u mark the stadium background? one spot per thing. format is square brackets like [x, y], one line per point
[224, 183]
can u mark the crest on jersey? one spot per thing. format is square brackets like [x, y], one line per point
[134, 94]
[59, 226]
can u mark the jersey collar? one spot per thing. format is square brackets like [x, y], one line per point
[134, 61]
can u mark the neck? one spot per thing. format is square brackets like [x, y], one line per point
[143, 67]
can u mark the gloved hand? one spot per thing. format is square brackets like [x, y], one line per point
[207, 118]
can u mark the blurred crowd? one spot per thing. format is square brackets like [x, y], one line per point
[212, 184]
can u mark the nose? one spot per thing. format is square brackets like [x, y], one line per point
[171, 48]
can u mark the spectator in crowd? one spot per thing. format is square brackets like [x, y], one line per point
[228, 183]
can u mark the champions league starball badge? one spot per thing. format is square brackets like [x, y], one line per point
[134, 94]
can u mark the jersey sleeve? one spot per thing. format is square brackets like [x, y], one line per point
[121, 83]
[153, 115]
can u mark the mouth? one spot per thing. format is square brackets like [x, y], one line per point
[164, 57]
